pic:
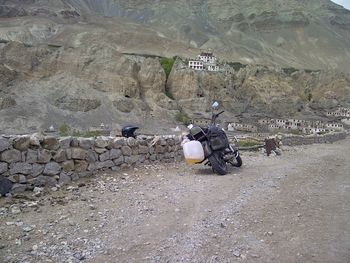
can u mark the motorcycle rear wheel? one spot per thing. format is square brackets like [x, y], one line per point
[218, 163]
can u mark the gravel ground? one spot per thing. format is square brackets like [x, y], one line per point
[289, 208]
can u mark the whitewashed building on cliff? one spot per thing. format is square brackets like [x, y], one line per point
[196, 64]
[303, 126]
[204, 61]
[236, 126]
[340, 112]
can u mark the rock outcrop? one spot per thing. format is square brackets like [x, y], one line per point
[260, 91]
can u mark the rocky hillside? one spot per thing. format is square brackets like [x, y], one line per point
[304, 34]
[87, 62]
[253, 91]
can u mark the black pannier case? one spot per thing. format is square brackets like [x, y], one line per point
[218, 139]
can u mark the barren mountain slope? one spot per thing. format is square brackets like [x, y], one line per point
[73, 61]
[306, 34]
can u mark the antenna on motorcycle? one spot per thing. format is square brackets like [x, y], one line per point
[215, 105]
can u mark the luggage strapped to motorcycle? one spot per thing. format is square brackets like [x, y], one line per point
[198, 133]
[218, 139]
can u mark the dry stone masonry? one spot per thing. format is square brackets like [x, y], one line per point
[35, 160]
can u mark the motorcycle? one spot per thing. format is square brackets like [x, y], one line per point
[214, 147]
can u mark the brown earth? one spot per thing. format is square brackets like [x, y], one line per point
[289, 208]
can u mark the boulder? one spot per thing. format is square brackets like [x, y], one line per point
[118, 143]
[36, 139]
[91, 156]
[92, 167]
[5, 186]
[141, 159]
[37, 169]
[143, 149]
[60, 156]
[50, 143]
[52, 168]
[100, 150]
[74, 142]
[65, 142]
[84, 174]
[18, 188]
[21, 143]
[11, 156]
[44, 156]
[115, 153]
[18, 178]
[80, 165]
[78, 153]
[171, 141]
[106, 164]
[101, 142]
[31, 156]
[21, 168]
[69, 153]
[42, 180]
[68, 166]
[3, 167]
[104, 156]
[119, 161]
[160, 149]
[4, 144]
[131, 160]
[64, 178]
[126, 150]
[132, 142]
[86, 143]
[74, 176]
[135, 151]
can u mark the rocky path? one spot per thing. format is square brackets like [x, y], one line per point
[289, 208]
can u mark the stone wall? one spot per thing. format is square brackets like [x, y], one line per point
[36, 160]
[291, 140]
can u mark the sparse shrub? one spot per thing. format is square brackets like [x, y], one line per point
[236, 65]
[248, 143]
[296, 132]
[289, 71]
[309, 97]
[312, 71]
[76, 133]
[86, 134]
[167, 64]
[92, 134]
[182, 117]
[64, 129]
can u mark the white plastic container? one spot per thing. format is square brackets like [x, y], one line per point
[193, 152]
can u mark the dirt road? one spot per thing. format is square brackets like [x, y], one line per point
[289, 208]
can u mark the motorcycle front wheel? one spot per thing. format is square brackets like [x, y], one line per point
[218, 163]
[238, 162]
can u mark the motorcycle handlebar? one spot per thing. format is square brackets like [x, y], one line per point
[220, 113]
[213, 119]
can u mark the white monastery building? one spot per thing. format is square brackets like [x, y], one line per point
[195, 64]
[204, 61]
